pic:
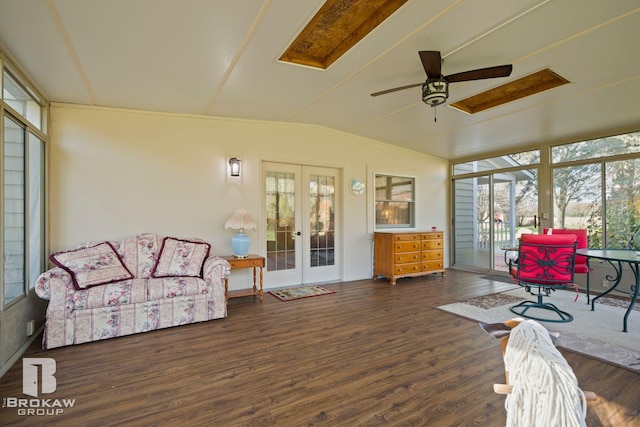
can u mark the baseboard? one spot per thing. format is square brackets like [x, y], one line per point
[18, 354]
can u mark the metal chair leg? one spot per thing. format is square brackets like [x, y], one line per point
[522, 308]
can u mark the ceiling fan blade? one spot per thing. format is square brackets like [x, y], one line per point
[432, 63]
[482, 73]
[395, 89]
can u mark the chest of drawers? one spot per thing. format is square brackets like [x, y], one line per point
[407, 254]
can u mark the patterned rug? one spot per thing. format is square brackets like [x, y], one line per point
[597, 333]
[290, 294]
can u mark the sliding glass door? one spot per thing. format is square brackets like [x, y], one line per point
[491, 210]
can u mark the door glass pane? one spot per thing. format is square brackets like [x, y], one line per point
[14, 197]
[280, 209]
[36, 208]
[471, 221]
[502, 221]
[321, 211]
[515, 210]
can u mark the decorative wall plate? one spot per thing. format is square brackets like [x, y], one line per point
[357, 186]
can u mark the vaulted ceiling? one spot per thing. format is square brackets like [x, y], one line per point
[223, 58]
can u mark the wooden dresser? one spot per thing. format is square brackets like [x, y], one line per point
[407, 254]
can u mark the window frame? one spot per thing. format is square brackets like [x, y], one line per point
[603, 239]
[459, 169]
[39, 132]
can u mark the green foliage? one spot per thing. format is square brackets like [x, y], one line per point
[622, 206]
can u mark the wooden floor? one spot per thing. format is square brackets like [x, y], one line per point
[371, 354]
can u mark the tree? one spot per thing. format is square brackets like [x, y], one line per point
[621, 195]
[582, 183]
[574, 184]
[482, 202]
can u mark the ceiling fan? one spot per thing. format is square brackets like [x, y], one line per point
[435, 90]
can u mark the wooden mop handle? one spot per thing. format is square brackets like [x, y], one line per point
[506, 389]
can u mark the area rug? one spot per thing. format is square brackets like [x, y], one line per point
[597, 334]
[300, 292]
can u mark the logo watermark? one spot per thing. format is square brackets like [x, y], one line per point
[38, 379]
[30, 375]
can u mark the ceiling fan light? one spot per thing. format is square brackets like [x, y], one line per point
[435, 92]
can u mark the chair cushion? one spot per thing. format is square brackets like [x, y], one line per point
[580, 268]
[548, 239]
[537, 264]
[92, 266]
[583, 243]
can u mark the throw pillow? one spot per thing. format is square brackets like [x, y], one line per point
[92, 266]
[180, 258]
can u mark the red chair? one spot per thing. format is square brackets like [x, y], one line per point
[546, 262]
[582, 262]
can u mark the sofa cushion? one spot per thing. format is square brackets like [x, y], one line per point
[171, 287]
[131, 291]
[180, 258]
[92, 266]
[138, 253]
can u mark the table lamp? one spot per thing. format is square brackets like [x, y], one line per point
[240, 242]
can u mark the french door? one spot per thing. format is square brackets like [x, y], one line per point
[302, 224]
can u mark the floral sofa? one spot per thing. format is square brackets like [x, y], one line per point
[109, 289]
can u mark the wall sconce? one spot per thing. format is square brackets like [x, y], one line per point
[234, 166]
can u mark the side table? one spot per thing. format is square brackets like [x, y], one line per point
[250, 261]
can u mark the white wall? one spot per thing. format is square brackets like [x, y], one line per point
[115, 173]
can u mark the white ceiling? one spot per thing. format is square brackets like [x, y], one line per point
[220, 58]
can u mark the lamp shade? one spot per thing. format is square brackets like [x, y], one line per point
[240, 242]
[240, 220]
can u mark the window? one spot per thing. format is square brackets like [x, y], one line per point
[576, 195]
[592, 184]
[23, 182]
[595, 180]
[35, 208]
[596, 148]
[497, 163]
[23, 216]
[21, 100]
[395, 201]
[13, 199]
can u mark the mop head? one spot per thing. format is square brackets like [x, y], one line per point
[545, 390]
